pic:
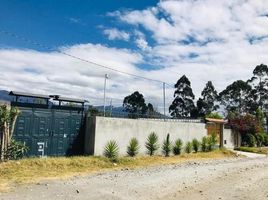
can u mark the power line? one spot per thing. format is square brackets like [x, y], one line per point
[76, 57]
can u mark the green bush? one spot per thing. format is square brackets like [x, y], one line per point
[177, 147]
[265, 139]
[166, 147]
[188, 147]
[260, 139]
[133, 147]
[251, 140]
[214, 116]
[16, 150]
[152, 143]
[111, 150]
[196, 145]
[204, 144]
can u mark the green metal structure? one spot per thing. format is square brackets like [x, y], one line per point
[49, 129]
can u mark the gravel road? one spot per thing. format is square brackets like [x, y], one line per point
[236, 178]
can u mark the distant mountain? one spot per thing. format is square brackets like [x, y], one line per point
[114, 111]
[120, 112]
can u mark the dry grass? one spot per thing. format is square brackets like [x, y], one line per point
[33, 170]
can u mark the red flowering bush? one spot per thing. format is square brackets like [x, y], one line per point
[246, 124]
[249, 127]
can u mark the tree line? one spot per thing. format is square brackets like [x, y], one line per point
[237, 98]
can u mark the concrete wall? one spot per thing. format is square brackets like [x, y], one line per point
[228, 139]
[231, 139]
[102, 129]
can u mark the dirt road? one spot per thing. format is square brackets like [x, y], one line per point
[222, 179]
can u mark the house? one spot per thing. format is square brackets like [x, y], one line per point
[226, 137]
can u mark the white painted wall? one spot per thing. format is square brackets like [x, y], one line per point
[104, 129]
[229, 138]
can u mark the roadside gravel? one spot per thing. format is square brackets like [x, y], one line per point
[235, 178]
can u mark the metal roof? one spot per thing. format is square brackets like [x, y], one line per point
[25, 94]
[55, 97]
[67, 99]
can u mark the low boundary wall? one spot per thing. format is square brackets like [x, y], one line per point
[100, 130]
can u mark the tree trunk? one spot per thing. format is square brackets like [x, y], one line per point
[12, 127]
[2, 139]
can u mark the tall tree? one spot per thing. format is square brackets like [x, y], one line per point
[259, 82]
[206, 104]
[135, 105]
[183, 103]
[235, 97]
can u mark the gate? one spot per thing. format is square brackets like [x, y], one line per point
[50, 130]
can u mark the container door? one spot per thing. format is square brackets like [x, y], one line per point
[42, 124]
[59, 133]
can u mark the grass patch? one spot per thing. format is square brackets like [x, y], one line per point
[260, 150]
[33, 170]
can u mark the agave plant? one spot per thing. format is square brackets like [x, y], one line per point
[166, 147]
[188, 147]
[177, 147]
[111, 150]
[204, 144]
[133, 147]
[152, 143]
[196, 145]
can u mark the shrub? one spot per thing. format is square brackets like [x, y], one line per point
[246, 124]
[111, 150]
[16, 150]
[214, 116]
[196, 145]
[188, 147]
[265, 139]
[211, 142]
[204, 144]
[260, 139]
[177, 147]
[152, 143]
[133, 147]
[166, 147]
[251, 140]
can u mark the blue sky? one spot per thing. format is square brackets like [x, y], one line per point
[63, 22]
[207, 40]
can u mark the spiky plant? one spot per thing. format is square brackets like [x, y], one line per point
[196, 145]
[177, 147]
[204, 144]
[166, 147]
[111, 150]
[133, 147]
[152, 144]
[188, 147]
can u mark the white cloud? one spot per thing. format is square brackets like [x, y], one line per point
[218, 49]
[114, 33]
[217, 33]
[55, 73]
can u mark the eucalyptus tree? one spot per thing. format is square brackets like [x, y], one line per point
[207, 103]
[236, 97]
[259, 83]
[183, 103]
[135, 105]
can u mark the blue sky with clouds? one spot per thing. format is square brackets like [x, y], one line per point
[221, 41]
[65, 22]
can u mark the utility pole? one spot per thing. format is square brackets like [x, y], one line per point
[111, 107]
[104, 95]
[164, 99]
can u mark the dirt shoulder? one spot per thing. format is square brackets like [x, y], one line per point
[235, 178]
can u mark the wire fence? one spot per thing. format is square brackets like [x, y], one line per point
[104, 93]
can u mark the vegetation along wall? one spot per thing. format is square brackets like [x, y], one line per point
[100, 130]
